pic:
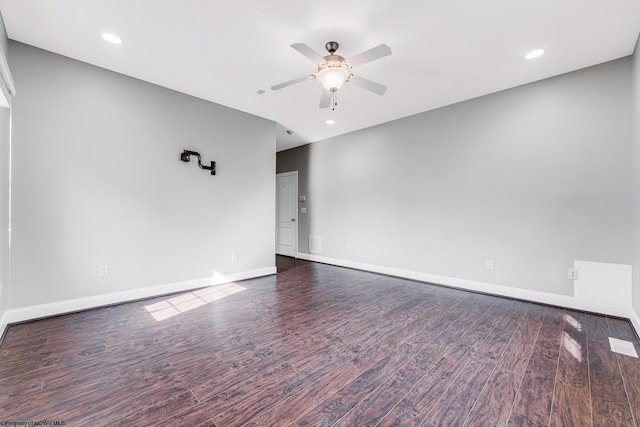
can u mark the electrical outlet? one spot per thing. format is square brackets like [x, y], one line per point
[104, 270]
[489, 264]
[234, 256]
[573, 274]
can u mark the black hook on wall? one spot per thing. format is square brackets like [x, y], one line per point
[186, 156]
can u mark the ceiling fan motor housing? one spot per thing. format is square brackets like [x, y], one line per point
[332, 47]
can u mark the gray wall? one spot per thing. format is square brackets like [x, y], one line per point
[636, 177]
[5, 275]
[532, 178]
[98, 180]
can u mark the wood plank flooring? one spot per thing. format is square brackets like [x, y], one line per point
[319, 345]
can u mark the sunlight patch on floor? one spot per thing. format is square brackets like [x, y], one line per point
[573, 322]
[572, 346]
[188, 301]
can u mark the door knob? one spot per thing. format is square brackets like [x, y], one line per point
[293, 219]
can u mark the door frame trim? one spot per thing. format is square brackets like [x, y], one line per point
[296, 227]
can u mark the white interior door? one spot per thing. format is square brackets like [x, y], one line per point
[287, 214]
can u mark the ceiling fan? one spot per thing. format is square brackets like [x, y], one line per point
[334, 70]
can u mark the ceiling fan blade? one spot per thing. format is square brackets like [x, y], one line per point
[371, 86]
[325, 98]
[308, 52]
[372, 54]
[291, 82]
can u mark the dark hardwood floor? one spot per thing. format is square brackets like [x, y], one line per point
[319, 345]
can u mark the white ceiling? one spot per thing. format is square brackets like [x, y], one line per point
[444, 51]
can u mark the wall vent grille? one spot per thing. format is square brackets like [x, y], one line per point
[315, 244]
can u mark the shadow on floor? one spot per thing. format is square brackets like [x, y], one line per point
[284, 263]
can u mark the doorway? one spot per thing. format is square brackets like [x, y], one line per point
[287, 214]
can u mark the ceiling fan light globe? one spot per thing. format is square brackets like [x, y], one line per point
[332, 78]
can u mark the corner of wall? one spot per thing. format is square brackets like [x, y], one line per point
[5, 118]
[635, 322]
[4, 323]
[635, 226]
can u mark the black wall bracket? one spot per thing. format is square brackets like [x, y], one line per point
[186, 156]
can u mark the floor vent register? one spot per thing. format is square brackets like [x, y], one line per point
[622, 347]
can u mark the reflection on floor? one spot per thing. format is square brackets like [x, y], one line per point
[284, 263]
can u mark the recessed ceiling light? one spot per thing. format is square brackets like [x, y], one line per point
[331, 122]
[535, 54]
[111, 38]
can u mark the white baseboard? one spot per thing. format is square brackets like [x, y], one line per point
[69, 306]
[78, 304]
[489, 288]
